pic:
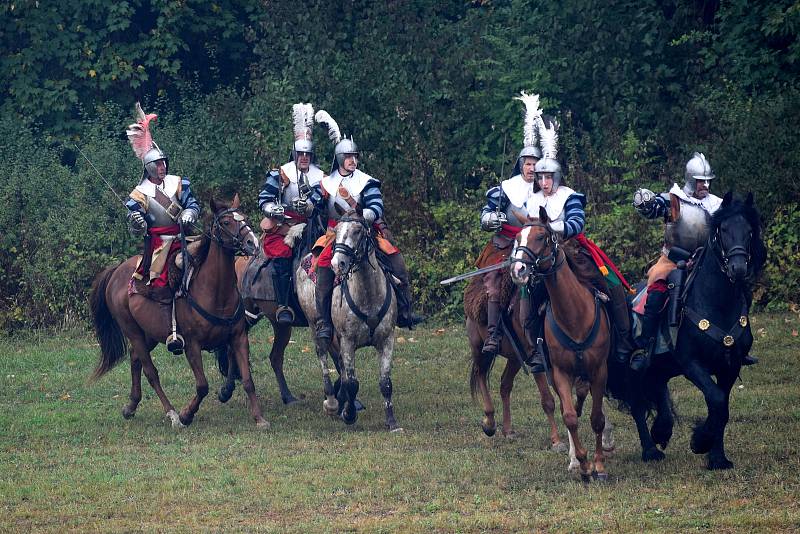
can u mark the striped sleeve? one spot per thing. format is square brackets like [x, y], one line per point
[658, 208]
[187, 199]
[372, 198]
[494, 199]
[271, 189]
[574, 216]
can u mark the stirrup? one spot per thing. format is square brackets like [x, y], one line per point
[175, 342]
[283, 310]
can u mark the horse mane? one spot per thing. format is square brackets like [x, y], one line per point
[758, 252]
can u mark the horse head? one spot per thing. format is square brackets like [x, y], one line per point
[230, 229]
[735, 238]
[535, 249]
[352, 242]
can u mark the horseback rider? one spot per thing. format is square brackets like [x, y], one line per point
[505, 214]
[565, 210]
[287, 199]
[345, 189]
[695, 195]
[156, 204]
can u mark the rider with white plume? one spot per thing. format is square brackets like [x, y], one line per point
[287, 200]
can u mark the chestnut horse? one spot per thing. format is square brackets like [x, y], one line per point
[475, 302]
[577, 333]
[210, 315]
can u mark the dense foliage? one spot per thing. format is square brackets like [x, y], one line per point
[426, 89]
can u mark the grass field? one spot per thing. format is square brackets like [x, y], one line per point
[70, 462]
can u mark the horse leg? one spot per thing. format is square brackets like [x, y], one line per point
[549, 407]
[349, 381]
[609, 446]
[506, 385]
[661, 430]
[639, 406]
[581, 392]
[716, 456]
[226, 390]
[598, 422]
[331, 403]
[282, 336]
[709, 434]
[385, 382]
[241, 346]
[194, 357]
[142, 353]
[136, 388]
[563, 384]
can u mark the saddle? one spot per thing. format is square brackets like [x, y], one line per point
[164, 295]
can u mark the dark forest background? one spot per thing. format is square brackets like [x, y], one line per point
[425, 87]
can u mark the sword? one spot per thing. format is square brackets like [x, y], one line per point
[503, 264]
[101, 177]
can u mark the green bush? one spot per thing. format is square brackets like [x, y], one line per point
[780, 284]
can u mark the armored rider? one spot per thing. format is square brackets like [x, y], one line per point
[156, 204]
[287, 199]
[504, 214]
[697, 204]
[345, 189]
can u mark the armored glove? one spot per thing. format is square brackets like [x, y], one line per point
[188, 216]
[274, 211]
[136, 223]
[303, 207]
[493, 221]
[643, 199]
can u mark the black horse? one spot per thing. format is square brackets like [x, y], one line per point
[713, 335]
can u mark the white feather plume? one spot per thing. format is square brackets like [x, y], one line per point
[139, 133]
[293, 234]
[532, 113]
[548, 138]
[303, 121]
[323, 117]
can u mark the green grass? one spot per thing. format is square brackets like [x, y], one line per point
[70, 462]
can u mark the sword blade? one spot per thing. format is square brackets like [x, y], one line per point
[503, 264]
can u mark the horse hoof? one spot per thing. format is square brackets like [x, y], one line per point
[600, 477]
[291, 399]
[349, 419]
[489, 430]
[586, 478]
[225, 395]
[559, 446]
[173, 416]
[724, 463]
[510, 434]
[331, 406]
[358, 405]
[127, 413]
[573, 465]
[262, 424]
[397, 429]
[652, 455]
[610, 451]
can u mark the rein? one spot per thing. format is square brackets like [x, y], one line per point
[535, 261]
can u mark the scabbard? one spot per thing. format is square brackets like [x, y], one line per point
[147, 256]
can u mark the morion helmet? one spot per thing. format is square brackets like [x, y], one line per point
[697, 168]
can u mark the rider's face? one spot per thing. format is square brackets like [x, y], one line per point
[701, 188]
[545, 181]
[527, 169]
[350, 162]
[303, 161]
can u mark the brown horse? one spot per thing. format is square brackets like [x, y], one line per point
[475, 301]
[208, 316]
[576, 331]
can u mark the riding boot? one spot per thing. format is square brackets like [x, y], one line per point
[406, 318]
[282, 283]
[645, 342]
[491, 344]
[533, 325]
[622, 322]
[323, 294]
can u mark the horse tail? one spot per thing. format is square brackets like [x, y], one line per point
[113, 347]
[480, 366]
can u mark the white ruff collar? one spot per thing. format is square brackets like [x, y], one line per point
[169, 186]
[354, 182]
[517, 190]
[553, 205]
[711, 203]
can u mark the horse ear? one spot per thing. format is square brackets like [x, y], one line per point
[213, 205]
[530, 219]
[727, 199]
[749, 200]
[674, 207]
[543, 215]
[235, 202]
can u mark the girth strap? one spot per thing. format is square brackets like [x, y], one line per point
[372, 320]
[214, 319]
[577, 347]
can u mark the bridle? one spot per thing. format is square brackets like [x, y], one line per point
[362, 248]
[535, 262]
[227, 240]
[724, 256]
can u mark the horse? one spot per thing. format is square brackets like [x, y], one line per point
[576, 330]
[515, 346]
[363, 312]
[118, 316]
[712, 337]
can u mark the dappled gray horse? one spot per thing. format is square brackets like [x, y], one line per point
[363, 312]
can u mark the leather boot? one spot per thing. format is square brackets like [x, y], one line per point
[323, 294]
[491, 345]
[622, 322]
[282, 283]
[406, 318]
[645, 342]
